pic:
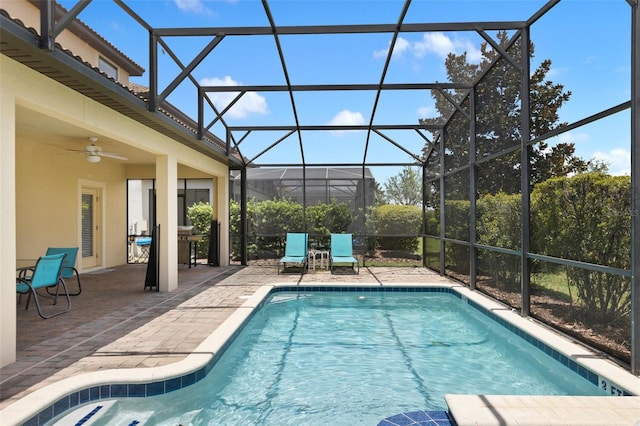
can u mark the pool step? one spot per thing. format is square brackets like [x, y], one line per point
[195, 417]
[100, 413]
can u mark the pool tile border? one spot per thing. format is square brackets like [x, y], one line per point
[419, 418]
[134, 390]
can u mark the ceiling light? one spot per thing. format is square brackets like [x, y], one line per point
[93, 158]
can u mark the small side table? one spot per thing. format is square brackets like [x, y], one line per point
[324, 254]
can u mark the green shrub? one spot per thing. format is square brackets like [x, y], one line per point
[274, 218]
[234, 228]
[200, 216]
[398, 226]
[457, 227]
[498, 225]
[324, 219]
[587, 218]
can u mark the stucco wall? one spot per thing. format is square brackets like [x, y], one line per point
[47, 180]
[47, 199]
[30, 17]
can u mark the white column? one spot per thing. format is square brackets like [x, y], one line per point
[167, 218]
[222, 213]
[7, 225]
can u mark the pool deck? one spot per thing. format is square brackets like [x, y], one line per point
[116, 324]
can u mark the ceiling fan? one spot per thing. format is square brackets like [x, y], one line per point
[94, 153]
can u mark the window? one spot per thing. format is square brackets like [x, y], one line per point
[108, 68]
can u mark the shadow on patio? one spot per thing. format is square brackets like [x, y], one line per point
[116, 323]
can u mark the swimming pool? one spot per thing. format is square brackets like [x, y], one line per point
[358, 355]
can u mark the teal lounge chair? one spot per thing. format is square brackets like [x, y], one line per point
[46, 273]
[341, 252]
[69, 265]
[295, 250]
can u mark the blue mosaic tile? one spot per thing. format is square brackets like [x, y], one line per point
[419, 418]
[61, 405]
[119, 391]
[440, 416]
[400, 420]
[33, 421]
[200, 374]
[155, 388]
[137, 390]
[173, 384]
[94, 393]
[45, 415]
[74, 399]
[105, 391]
[189, 379]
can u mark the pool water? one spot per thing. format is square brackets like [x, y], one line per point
[348, 358]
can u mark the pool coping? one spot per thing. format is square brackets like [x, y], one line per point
[58, 397]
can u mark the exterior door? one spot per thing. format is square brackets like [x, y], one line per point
[91, 232]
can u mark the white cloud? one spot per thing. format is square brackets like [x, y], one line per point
[402, 45]
[426, 112]
[437, 43]
[576, 137]
[249, 103]
[554, 72]
[346, 118]
[441, 45]
[192, 6]
[618, 159]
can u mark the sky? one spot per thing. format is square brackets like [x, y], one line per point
[587, 41]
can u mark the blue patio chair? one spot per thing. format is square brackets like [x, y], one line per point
[46, 273]
[341, 251]
[69, 265]
[295, 251]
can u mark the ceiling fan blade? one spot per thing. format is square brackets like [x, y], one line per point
[111, 155]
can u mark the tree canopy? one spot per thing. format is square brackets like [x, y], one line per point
[498, 108]
[405, 188]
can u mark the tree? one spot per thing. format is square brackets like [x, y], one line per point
[405, 188]
[498, 111]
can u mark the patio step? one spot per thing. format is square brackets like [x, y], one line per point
[101, 413]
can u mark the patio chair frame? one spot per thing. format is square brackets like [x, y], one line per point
[340, 254]
[47, 272]
[295, 243]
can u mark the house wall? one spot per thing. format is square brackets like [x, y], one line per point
[30, 17]
[47, 181]
[47, 192]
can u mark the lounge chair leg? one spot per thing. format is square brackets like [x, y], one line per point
[79, 286]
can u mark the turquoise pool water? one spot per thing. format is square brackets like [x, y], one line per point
[347, 358]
